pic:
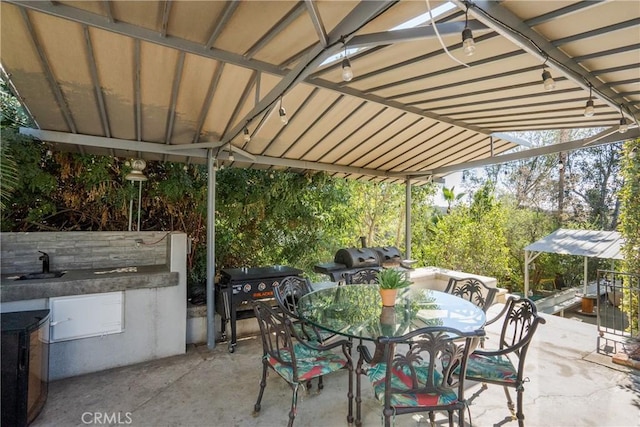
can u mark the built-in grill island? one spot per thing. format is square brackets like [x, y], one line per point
[348, 261]
[238, 287]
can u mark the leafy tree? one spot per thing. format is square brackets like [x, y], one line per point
[595, 181]
[450, 197]
[630, 227]
[471, 238]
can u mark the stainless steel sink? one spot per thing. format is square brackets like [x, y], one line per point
[34, 276]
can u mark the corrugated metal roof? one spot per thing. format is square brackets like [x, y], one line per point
[166, 80]
[588, 243]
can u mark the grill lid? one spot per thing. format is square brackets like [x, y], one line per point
[388, 255]
[357, 257]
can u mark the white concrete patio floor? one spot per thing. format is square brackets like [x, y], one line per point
[571, 385]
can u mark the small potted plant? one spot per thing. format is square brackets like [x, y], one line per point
[390, 280]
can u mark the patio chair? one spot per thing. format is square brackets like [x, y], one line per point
[362, 276]
[287, 293]
[295, 359]
[417, 373]
[505, 365]
[473, 290]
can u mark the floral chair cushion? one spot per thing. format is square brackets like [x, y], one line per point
[311, 363]
[400, 380]
[495, 368]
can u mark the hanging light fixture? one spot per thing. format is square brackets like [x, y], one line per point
[283, 114]
[347, 71]
[247, 135]
[589, 111]
[547, 80]
[468, 44]
[624, 126]
[231, 158]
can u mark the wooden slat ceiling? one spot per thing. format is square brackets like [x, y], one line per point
[168, 80]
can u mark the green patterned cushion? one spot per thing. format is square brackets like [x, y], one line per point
[311, 363]
[496, 368]
[400, 380]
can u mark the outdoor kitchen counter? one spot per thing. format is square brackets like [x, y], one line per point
[80, 282]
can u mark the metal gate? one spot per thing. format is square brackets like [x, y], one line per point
[618, 314]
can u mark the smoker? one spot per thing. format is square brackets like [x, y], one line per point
[348, 261]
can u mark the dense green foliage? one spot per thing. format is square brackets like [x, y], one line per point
[630, 226]
[276, 217]
[471, 238]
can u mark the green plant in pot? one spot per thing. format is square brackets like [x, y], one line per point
[390, 280]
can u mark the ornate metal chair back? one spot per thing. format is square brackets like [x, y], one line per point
[363, 276]
[419, 372]
[473, 290]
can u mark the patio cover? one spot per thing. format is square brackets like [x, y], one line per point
[585, 243]
[168, 80]
[184, 80]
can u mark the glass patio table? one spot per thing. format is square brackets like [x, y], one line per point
[356, 311]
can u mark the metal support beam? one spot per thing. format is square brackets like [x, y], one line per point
[171, 115]
[46, 68]
[613, 136]
[96, 83]
[152, 147]
[314, 14]
[211, 248]
[164, 22]
[276, 29]
[226, 15]
[411, 34]
[7, 79]
[137, 90]
[207, 101]
[407, 219]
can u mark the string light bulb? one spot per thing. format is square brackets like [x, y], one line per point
[347, 71]
[247, 135]
[283, 114]
[624, 125]
[468, 44]
[231, 157]
[589, 111]
[547, 80]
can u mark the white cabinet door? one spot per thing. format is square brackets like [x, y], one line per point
[85, 316]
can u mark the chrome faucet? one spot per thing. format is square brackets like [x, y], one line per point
[45, 261]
